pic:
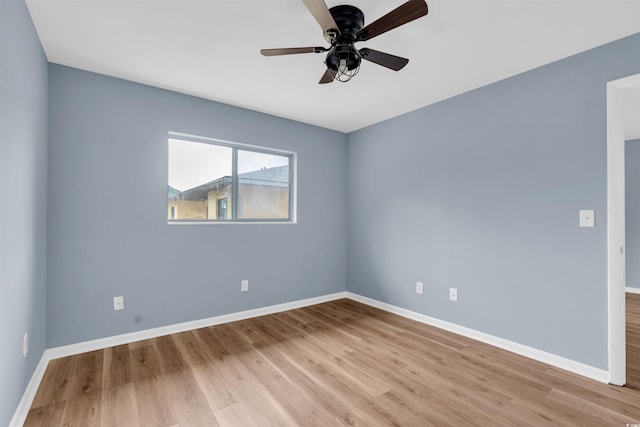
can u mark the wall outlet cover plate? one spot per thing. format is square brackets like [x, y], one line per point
[118, 303]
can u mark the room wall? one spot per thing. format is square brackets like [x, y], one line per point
[632, 212]
[481, 192]
[23, 201]
[108, 231]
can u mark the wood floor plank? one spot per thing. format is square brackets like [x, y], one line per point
[305, 381]
[117, 368]
[335, 348]
[435, 388]
[239, 414]
[205, 372]
[187, 400]
[183, 392]
[47, 415]
[84, 402]
[56, 382]
[252, 361]
[151, 395]
[119, 406]
[304, 411]
[269, 407]
[340, 363]
[225, 368]
[242, 367]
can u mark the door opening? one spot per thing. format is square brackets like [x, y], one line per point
[621, 126]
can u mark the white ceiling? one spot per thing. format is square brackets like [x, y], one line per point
[210, 49]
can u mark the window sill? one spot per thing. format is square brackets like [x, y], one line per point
[231, 222]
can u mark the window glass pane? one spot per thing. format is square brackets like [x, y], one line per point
[203, 172]
[263, 185]
[200, 181]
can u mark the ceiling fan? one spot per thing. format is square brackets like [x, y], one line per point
[343, 26]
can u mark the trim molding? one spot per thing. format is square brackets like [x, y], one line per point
[632, 290]
[20, 415]
[99, 344]
[49, 354]
[523, 350]
[617, 91]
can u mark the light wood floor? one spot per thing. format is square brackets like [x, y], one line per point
[334, 364]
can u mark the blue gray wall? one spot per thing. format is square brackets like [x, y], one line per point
[108, 232]
[632, 212]
[481, 192]
[23, 201]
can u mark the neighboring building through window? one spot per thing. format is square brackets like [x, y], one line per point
[218, 181]
[222, 208]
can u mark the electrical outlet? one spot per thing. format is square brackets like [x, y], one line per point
[419, 287]
[25, 344]
[118, 303]
[453, 294]
[244, 286]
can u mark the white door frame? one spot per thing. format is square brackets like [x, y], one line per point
[616, 137]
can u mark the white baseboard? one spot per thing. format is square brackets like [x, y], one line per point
[68, 350]
[83, 347]
[632, 290]
[523, 350]
[29, 394]
[20, 415]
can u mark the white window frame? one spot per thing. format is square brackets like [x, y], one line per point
[233, 203]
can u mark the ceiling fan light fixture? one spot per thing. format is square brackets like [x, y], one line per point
[343, 26]
[345, 74]
[345, 60]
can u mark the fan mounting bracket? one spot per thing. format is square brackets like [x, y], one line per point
[331, 36]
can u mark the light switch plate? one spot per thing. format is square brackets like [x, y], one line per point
[587, 218]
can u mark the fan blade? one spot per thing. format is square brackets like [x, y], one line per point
[292, 50]
[320, 12]
[393, 62]
[413, 9]
[328, 76]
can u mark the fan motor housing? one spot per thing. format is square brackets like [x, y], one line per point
[346, 52]
[349, 19]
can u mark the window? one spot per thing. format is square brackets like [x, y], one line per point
[219, 181]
